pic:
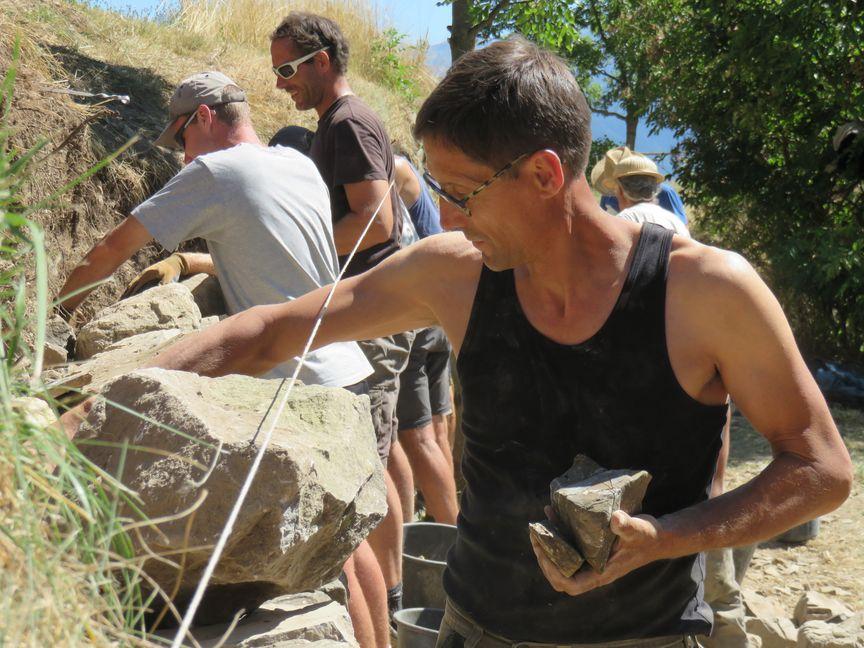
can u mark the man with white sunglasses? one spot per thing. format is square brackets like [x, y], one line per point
[352, 151]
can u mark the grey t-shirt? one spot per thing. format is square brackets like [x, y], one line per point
[265, 214]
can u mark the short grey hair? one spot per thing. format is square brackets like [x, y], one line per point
[639, 188]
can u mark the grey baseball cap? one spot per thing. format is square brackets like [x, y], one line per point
[205, 88]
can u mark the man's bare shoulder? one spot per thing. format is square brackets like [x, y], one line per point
[709, 273]
[449, 253]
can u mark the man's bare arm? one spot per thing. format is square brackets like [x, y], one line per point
[106, 256]
[363, 198]
[394, 296]
[739, 327]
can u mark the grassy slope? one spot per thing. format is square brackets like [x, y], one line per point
[71, 44]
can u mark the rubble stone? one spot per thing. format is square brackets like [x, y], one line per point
[768, 621]
[556, 547]
[814, 606]
[60, 334]
[308, 619]
[54, 355]
[34, 411]
[164, 307]
[318, 493]
[825, 634]
[585, 498]
[207, 293]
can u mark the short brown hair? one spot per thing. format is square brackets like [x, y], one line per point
[310, 32]
[234, 112]
[507, 99]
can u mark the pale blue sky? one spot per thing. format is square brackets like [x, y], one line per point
[424, 19]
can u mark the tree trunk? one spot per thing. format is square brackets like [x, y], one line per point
[632, 122]
[462, 38]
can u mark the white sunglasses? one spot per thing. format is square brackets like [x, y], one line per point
[289, 69]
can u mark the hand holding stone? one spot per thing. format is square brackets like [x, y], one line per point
[638, 542]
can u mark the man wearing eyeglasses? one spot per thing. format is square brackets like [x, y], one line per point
[576, 332]
[248, 202]
[352, 151]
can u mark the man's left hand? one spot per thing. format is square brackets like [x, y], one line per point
[637, 544]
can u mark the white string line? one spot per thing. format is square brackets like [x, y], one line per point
[244, 490]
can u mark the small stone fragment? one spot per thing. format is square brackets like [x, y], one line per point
[585, 504]
[814, 606]
[54, 355]
[555, 546]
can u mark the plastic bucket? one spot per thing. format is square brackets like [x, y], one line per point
[424, 554]
[418, 627]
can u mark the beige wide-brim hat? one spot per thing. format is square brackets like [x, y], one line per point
[602, 175]
[636, 164]
[207, 88]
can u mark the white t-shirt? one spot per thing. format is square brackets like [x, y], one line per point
[265, 214]
[651, 213]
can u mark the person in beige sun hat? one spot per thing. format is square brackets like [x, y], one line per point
[601, 175]
[637, 183]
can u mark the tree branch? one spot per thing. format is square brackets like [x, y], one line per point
[604, 112]
[488, 20]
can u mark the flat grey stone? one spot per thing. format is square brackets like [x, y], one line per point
[556, 547]
[814, 606]
[584, 500]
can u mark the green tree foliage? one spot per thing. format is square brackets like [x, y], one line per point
[610, 43]
[754, 91]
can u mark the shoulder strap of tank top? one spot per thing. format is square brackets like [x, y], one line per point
[649, 267]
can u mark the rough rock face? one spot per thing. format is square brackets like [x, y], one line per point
[164, 307]
[318, 493]
[824, 634]
[813, 606]
[556, 547]
[207, 293]
[119, 358]
[586, 496]
[60, 334]
[307, 619]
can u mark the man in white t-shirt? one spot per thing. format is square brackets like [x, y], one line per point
[264, 213]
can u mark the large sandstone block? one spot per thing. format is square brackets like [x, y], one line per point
[119, 358]
[584, 499]
[318, 493]
[768, 621]
[164, 307]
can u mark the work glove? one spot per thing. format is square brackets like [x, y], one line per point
[165, 271]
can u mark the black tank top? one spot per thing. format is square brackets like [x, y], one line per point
[529, 406]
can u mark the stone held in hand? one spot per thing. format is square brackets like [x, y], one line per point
[556, 547]
[164, 307]
[318, 493]
[586, 496]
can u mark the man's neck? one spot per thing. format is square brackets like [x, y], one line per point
[242, 134]
[338, 89]
[584, 254]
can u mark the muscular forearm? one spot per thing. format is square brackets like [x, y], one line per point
[350, 227]
[790, 490]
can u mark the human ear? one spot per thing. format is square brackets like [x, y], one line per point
[547, 172]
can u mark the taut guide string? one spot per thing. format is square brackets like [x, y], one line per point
[244, 490]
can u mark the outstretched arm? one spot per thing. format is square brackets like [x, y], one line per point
[394, 296]
[101, 261]
[739, 329]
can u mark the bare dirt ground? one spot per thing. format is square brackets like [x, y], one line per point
[833, 562]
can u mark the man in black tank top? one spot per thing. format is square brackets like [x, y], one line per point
[576, 332]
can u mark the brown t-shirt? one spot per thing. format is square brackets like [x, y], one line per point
[351, 145]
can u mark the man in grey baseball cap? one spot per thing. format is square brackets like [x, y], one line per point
[209, 89]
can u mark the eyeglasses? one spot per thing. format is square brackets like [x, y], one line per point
[289, 69]
[178, 136]
[462, 203]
